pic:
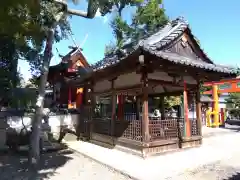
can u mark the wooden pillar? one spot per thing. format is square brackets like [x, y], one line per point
[88, 112]
[69, 97]
[120, 113]
[79, 97]
[145, 118]
[186, 111]
[113, 101]
[199, 110]
[122, 117]
[162, 108]
[215, 106]
[138, 107]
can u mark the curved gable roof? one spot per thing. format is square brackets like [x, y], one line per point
[157, 43]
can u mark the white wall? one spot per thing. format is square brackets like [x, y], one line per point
[54, 122]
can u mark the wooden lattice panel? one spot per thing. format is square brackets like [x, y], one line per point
[163, 129]
[133, 130]
[194, 127]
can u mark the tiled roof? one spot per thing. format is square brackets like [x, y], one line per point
[175, 58]
[156, 45]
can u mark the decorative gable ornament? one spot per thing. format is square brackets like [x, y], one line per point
[184, 41]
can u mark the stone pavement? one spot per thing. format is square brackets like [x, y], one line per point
[219, 145]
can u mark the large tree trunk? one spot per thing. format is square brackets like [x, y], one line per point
[34, 153]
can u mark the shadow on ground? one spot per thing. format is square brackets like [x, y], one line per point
[16, 167]
[233, 177]
[234, 126]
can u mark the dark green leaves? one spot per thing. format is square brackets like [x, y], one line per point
[149, 18]
[233, 104]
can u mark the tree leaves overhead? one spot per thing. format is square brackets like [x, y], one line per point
[148, 18]
[22, 36]
[27, 21]
[8, 65]
[108, 6]
[120, 30]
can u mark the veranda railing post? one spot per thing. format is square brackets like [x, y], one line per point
[199, 110]
[145, 118]
[162, 108]
[186, 111]
[113, 101]
[88, 110]
[92, 109]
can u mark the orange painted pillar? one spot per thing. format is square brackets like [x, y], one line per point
[216, 106]
[186, 111]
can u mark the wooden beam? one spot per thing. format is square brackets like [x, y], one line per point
[175, 93]
[162, 82]
[124, 89]
[169, 83]
[167, 66]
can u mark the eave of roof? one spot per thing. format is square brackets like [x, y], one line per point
[177, 59]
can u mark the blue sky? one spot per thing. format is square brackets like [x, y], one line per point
[215, 23]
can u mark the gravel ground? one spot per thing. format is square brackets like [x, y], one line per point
[64, 165]
[228, 169]
[73, 166]
[68, 165]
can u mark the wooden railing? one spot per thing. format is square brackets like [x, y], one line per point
[166, 129]
[195, 130]
[133, 130]
[130, 128]
[102, 126]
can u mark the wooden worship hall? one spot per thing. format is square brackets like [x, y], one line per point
[120, 92]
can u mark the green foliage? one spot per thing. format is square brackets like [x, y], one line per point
[149, 17]
[24, 98]
[8, 65]
[238, 71]
[205, 88]
[233, 104]
[34, 81]
[25, 23]
[108, 6]
[120, 28]
[171, 101]
[109, 48]
[22, 36]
